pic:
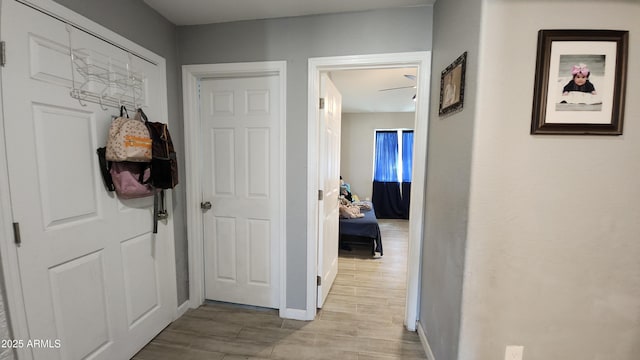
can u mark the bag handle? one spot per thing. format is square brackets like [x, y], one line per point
[140, 115]
[143, 167]
[123, 111]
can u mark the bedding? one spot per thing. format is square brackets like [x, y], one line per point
[363, 227]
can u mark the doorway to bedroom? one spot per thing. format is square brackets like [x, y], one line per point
[410, 71]
[378, 113]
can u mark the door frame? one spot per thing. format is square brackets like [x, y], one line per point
[421, 60]
[191, 76]
[16, 310]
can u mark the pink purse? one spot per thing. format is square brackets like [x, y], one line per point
[131, 179]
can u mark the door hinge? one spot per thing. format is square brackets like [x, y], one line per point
[16, 233]
[321, 99]
[320, 195]
[3, 54]
[319, 280]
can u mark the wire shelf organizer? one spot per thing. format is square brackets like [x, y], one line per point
[103, 80]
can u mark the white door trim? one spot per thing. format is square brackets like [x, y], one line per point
[191, 75]
[422, 60]
[8, 253]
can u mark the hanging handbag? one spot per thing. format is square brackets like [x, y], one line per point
[164, 162]
[128, 139]
[131, 179]
[164, 166]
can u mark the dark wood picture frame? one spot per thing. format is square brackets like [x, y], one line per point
[562, 104]
[452, 86]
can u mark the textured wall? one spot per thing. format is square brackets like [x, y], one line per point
[552, 249]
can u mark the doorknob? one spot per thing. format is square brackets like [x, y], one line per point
[205, 205]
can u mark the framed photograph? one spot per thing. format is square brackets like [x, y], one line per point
[452, 86]
[580, 82]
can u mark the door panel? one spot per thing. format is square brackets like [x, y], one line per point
[225, 251]
[258, 247]
[329, 169]
[83, 277]
[61, 204]
[223, 157]
[240, 127]
[93, 275]
[140, 278]
[258, 163]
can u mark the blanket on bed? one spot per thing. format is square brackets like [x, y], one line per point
[366, 226]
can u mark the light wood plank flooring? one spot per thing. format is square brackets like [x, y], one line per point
[362, 318]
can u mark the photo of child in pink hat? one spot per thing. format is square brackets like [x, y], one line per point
[580, 81]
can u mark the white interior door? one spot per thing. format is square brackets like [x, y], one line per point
[240, 137]
[93, 275]
[329, 170]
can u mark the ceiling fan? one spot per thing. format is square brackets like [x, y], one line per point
[408, 76]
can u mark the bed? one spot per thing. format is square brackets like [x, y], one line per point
[364, 228]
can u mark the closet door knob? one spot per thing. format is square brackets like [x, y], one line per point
[205, 205]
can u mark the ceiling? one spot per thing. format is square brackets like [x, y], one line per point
[196, 12]
[365, 90]
[359, 88]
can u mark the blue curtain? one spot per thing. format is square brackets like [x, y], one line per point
[407, 155]
[391, 195]
[407, 165]
[386, 157]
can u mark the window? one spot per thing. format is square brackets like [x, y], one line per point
[393, 158]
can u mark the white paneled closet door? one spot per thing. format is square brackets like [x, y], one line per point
[240, 136]
[93, 275]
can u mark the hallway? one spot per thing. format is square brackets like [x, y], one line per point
[362, 318]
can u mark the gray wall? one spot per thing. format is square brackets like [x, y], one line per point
[296, 40]
[552, 259]
[137, 22]
[357, 145]
[456, 30]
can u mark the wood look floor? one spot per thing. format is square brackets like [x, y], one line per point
[362, 318]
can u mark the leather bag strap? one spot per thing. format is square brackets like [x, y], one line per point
[104, 169]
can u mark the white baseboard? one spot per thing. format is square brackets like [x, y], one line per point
[294, 314]
[182, 309]
[425, 343]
